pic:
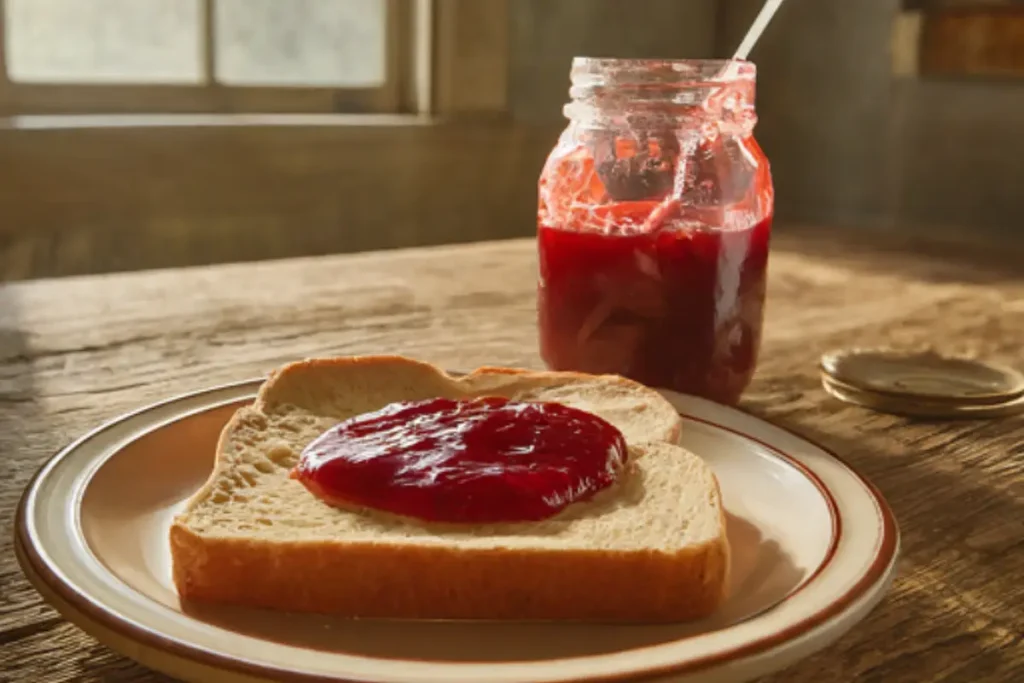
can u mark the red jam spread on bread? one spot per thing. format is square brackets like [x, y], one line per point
[483, 460]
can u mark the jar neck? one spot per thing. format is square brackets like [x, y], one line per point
[662, 95]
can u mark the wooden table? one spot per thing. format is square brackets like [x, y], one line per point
[76, 352]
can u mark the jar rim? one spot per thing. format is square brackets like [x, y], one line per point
[691, 70]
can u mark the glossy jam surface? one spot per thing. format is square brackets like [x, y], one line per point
[483, 460]
[679, 306]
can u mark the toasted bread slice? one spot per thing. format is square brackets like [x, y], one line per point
[651, 547]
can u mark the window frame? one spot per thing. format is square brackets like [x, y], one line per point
[211, 97]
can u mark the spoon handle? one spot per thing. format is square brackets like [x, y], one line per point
[757, 28]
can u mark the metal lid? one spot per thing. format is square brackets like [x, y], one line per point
[922, 376]
[920, 407]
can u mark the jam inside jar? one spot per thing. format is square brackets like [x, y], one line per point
[654, 218]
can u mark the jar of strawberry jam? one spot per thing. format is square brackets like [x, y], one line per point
[655, 211]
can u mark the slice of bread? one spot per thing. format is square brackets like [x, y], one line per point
[650, 548]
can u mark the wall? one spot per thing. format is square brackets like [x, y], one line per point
[547, 34]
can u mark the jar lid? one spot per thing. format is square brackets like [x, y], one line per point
[922, 376]
[920, 407]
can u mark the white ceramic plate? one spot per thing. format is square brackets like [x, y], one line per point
[814, 550]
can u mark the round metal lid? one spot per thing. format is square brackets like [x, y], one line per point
[923, 376]
[917, 407]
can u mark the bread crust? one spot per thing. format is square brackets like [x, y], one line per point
[415, 580]
[375, 580]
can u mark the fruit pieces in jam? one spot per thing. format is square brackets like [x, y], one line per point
[483, 460]
[653, 290]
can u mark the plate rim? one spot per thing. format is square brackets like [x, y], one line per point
[91, 616]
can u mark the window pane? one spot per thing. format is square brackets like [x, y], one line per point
[104, 41]
[301, 42]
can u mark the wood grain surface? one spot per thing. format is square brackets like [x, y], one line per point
[78, 351]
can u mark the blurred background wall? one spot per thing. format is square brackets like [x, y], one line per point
[261, 130]
[900, 114]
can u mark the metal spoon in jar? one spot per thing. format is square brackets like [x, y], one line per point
[756, 29]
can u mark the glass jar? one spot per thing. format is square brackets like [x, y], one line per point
[654, 217]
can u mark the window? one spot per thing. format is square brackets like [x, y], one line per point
[208, 56]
